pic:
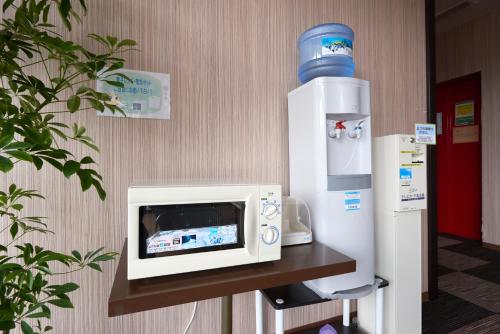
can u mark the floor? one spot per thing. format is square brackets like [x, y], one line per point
[469, 290]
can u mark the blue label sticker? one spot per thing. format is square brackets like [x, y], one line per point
[405, 174]
[336, 46]
[352, 200]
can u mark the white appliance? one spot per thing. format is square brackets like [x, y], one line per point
[400, 185]
[296, 222]
[177, 229]
[330, 168]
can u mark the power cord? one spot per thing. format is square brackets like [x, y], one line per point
[192, 318]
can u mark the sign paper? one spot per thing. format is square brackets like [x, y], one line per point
[425, 134]
[464, 113]
[466, 134]
[147, 95]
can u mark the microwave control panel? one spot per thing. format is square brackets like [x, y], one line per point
[270, 222]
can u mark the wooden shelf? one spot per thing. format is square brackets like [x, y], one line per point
[297, 264]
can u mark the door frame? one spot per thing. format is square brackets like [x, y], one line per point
[432, 232]
[431, 86]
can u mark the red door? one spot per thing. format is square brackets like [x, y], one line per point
[458, 107]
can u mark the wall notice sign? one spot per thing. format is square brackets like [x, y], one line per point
[425, 134]
[466, 134]
[146, 95]
[464, 113]
[352, 200]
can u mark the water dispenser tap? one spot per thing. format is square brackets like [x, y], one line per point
[356, 133]
[337, 131]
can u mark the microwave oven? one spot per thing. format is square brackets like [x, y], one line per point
[179, 229]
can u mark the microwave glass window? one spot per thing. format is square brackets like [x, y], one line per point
[190, 228]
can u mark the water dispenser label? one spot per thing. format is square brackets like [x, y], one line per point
[336, 46]
[352, 200]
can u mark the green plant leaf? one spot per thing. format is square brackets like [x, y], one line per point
[82, 90]
[111, 40]
[77, 255]
[45, 13]
[64, 10]
[21, 155]
[126, 42]
[70, 167]
[113, 67]
[73, 103]
[95, 266]
[18, 145]
[87, 160]
[10, 266]
[7, 4]
[65, 288]
[96, 104]
[85, 181]
[6, 313]
[84, 6]
[26, 328]
[6, 138]
[6, 325]
[17, 206]
[91, 145]
[39, 315]
[44, 270]
[114, 83]
[37, 162]
[104, 257]
[54, 163]
[14, 229]
[100, 191]
[5, 164]
[64, 303]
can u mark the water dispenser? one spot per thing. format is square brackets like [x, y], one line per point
[331, 169]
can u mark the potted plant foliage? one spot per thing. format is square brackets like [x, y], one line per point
[30, 132]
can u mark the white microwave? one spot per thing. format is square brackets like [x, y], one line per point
[179, 229]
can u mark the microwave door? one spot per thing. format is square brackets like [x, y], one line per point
[176, 229]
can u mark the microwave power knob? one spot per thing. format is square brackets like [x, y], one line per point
[270, 211]
[270, 235]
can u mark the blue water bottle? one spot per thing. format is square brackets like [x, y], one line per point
[326, 50]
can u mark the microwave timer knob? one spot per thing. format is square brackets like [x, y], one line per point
[270, 235]
[270, 211]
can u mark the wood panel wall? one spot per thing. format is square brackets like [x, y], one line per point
[232, 63]
[469, 47]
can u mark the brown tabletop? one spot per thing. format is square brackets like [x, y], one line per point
[297, 264]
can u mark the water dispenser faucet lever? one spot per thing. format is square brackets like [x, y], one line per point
[340, 125]
[356, 134]
[336, 133]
